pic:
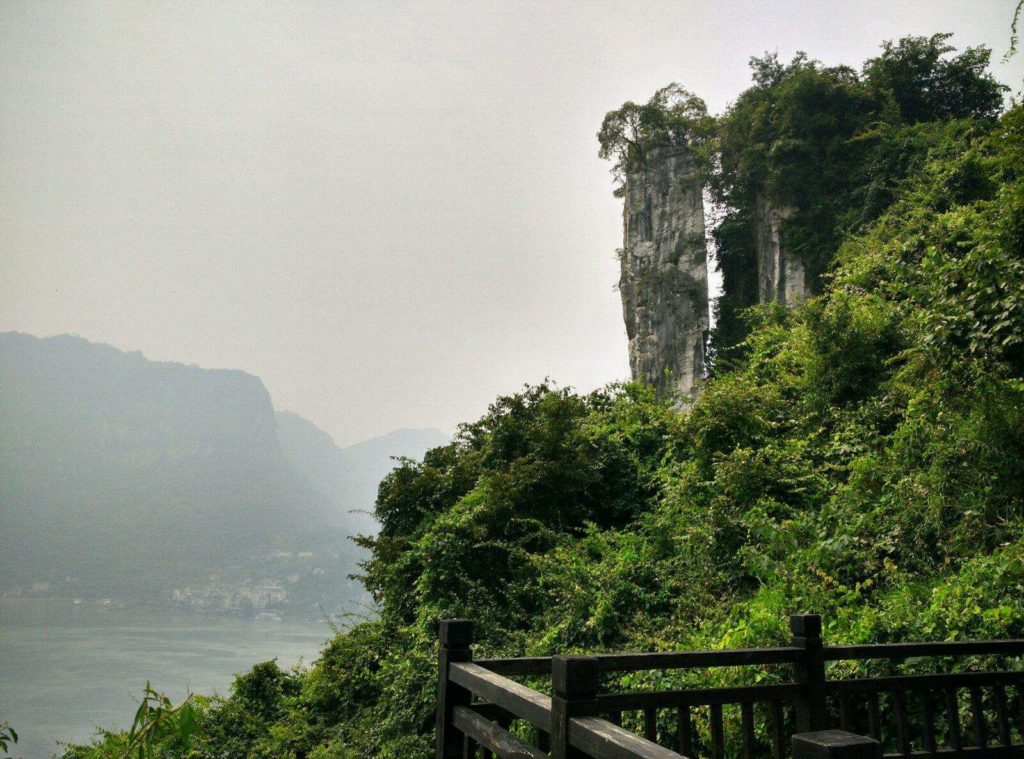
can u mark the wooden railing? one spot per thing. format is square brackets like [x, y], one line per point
[482, 711]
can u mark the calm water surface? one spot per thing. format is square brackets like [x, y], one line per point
[66, 669]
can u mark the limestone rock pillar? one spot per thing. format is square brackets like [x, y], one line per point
[780, 275]
[664, 277]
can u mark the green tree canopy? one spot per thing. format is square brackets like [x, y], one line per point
[673, 116]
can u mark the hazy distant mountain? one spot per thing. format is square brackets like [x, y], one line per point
[349, 476]
[134, 476]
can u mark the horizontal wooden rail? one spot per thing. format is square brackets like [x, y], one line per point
[989, 752]
[738, 657]
[925, 682]
[1013, 647]
[530, 665]
[664, 699]
[637, 662]
[514, 697]
[937, 714]
[492, 736]
[728, 657]
[597, 737]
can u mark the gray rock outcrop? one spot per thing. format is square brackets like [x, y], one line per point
[664, 277]
[780, 275]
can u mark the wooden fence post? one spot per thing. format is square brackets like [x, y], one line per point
[456, 639]
[811, 708]
[835, 744]
[574, 679]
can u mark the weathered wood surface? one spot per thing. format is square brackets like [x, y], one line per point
[664, 699]
[493, 737]
[933, 682]
[638, 662]
[521, 701]
[456, 639]
[1014, 647]
[599, 738]
[952, 714]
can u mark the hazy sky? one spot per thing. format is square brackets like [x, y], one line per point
[390, 212]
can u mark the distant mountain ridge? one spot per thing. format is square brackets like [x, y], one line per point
[134, 476]
[349, 476]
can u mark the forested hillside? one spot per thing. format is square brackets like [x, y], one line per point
[860, 456]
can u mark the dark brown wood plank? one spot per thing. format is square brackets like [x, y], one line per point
[684, 730]
[978, 715]
[498, 740]
[494, 713]
[597, 737]
[928, 728]
[747, 727]
[899, 703]
[717, 732]
[734, 657]
[932, 682]
[543, 740]
[953, 719]
[1020, 711]
[667, 699]
[523, 702]
[778, 730]
[1002, 715]
[651, 725]
[845, 713]
[992, 752]
[527, 665]
[1013, 647]
[874, 717]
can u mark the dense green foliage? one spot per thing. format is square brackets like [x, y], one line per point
[673, 116]
[831, 146]
[862, 459]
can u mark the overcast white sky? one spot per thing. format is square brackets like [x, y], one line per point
[390, 212]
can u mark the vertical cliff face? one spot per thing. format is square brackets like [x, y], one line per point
[664, 279]
[780, 275]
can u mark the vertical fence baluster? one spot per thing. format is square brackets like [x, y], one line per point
[810, 672]
[685, 731]
[717, 733]
[651, 725]
[928, 702]
[845, 712]
[1020, 710]
[456, 639]
[899, 698]
[575, 680]
[469, 750]
[977, 712]
[615, 718]
[543, 740]
[953, 715]
[747, 723]
[874, 717]
[778, 728]
[1002, 716]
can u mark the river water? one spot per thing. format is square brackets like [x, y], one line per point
[66, 669]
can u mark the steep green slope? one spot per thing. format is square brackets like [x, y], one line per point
[862, 459]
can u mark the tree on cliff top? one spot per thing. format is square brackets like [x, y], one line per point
[673, 116]
[833, 146]
[927, 86]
